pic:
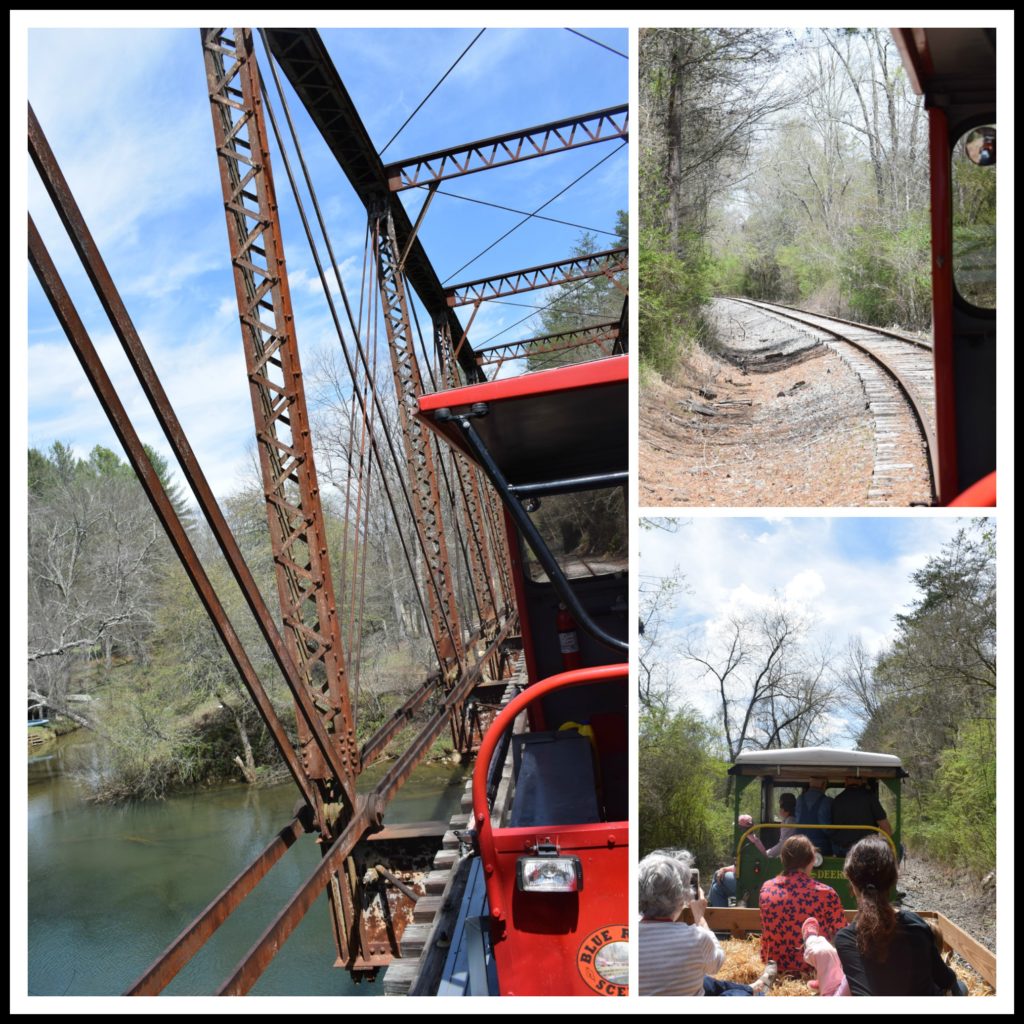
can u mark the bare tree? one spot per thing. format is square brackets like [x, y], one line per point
[657, 596]
[771, 689]
[705, 96]
[95, 551]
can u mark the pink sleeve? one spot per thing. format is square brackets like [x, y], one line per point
[838, 917]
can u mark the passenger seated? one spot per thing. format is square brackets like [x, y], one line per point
[888, 952]
[856, 805]
[787, 811]
[788, 900]
[813, 807]
[723, 883]
[679, 959]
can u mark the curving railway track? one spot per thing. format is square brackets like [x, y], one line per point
[897, 376]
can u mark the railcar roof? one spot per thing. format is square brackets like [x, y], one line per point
[549, 425]
[948, 60]
[792, 761]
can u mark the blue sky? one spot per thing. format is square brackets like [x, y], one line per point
[127, 115]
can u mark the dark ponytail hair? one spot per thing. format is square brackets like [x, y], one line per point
[871, 868]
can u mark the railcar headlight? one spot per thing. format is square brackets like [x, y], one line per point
[549, 874]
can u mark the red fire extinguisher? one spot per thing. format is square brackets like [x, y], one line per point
[568, 640]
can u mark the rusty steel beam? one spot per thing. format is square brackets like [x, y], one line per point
[397, 883]
[311, 72]
[294, 514]
[605, 336]
[578, 268]
[82, 344]
[605, 331]
[419, 452]
[167, 965]
[88, 252]
[291, 489]
[266, 947]
[600, 342]
[622, 341]
[366, 817]
[481, 572]
[510, 148]
[420, 747]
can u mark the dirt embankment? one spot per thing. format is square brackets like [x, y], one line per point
[774, 418]
[965, 900]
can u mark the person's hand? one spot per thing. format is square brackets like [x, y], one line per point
[698, 906]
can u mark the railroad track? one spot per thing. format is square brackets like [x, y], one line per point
[896, 373]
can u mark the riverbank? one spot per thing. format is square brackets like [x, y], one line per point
[110, 886]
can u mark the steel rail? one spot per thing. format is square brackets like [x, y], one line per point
[165, 968]
[266, 947]
[87, 355]
[88, 252]
[547, 275]
[909, 392]
[509, 148]
[919, 342]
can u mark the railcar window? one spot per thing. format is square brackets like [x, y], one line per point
[974, 217]
[586, 533]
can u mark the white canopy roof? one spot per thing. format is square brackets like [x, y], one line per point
[816, 757]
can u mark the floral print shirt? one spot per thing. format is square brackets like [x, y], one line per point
[786, 901]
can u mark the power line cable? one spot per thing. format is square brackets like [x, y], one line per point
[432, 91]
[516, 227]
[530, 316]
[554, 309]
[509, 209]
[597, 42]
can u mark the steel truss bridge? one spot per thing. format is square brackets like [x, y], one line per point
[314, 631]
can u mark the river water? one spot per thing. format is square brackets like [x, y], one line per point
[110, 887]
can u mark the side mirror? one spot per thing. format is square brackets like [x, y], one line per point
[980, 146]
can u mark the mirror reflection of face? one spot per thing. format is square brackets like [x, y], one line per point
[980, 146]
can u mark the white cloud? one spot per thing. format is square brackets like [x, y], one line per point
[830, 572]
[805, 587]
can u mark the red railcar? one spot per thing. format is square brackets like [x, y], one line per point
[954, 69]
[545, 911]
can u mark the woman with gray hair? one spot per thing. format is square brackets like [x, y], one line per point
[678, 959]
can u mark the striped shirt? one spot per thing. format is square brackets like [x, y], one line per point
[674, 957]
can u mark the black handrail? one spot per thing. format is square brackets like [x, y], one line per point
[525, 525]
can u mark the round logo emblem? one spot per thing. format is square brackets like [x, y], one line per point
[603, 960]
